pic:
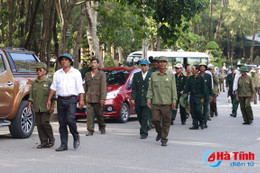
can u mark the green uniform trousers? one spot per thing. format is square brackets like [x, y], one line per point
[196, 111]
[235, 104]
[205, 112]
[143, 112]
[162, 113]
[97, 108]
[44, 127]
[246, 108]
[182, 112]
[213, 105]
[150, 123]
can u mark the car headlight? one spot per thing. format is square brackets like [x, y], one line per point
[112, 94]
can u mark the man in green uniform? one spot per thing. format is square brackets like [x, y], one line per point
[245, 94]
[188, 74]
[84, 69]
[256, 81]
[213, 103]
[229, 86]
[95, 88]
[195, 85]
[221, 80]
[180, 79]
[162, 90]
[209, 93]
[38, 97]
[139, 91]
[153, 69]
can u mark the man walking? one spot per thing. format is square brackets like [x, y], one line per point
[256, 81]
[95, 88]
[196, 87]
[139, 91]
[229, 86]
[162, 91]
[38, 97]
[67, 83]
[180, 79]
[209, 93]
[245, 94]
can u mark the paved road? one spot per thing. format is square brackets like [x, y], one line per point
[121, 150]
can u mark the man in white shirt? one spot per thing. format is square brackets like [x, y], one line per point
[67, 83]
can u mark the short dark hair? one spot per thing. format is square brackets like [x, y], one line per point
[197, 67]
[94, 59]
[187, 66]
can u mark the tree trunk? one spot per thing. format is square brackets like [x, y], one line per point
[252, 47]
[79, 36]
[51, 22]
[92, 30]
[158, 40]
[21, 25]
[244, 44]
[120, 55]
[233, 47]
[219, 25]
[32, 25]
[10, 23]
[210, 21]
[3, 22]
[45, 33]
[55, 35]
[228, 44]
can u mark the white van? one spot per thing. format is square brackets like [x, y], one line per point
[180, 56]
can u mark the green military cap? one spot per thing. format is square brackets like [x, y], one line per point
[41, 65]
[156, 58]
[163, 58]
[184, 100]
[244, 68]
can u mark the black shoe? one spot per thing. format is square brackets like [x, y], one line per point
[62, 148]
[216, 114]
[76, 144]
[205, 126]
[202, 126]
[164, 144]
[143, 137]
[194, 128]
[158, 137]
[233, 115]
[103, 131]
[246, 123]
[209, 119]
[183, 123]
[89, 133]
[172, 123]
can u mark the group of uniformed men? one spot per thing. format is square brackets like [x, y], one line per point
[159, 93]
[156, 92]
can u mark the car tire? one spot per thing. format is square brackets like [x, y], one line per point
[23, 124]
[124, 113]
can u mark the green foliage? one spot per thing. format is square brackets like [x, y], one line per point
[212, 45]
[109, 61]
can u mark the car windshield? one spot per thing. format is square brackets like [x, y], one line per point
[116, 77]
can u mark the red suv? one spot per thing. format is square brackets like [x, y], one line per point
[118, 102]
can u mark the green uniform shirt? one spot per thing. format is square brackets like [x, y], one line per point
[39, 94]
[83, 71]
[208, 83]
[196, 86]
[139, 88]
[245, 87]
[229, 82]
[153, 69]
[215, 82]
[180, 83]
[162, 88]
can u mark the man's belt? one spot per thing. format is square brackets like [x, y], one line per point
[67, 97]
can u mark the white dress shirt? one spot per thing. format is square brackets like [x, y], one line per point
[67, 84]
[144, 75]
[235, 83]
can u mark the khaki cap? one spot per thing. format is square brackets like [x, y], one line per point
[163, 58]
[41, 65]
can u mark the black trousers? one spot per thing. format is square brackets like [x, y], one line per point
[66, 114]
